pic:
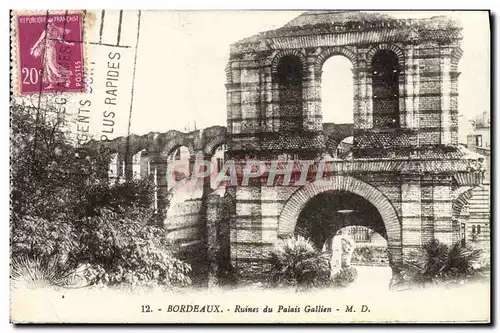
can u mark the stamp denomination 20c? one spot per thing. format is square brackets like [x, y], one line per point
[50, 53]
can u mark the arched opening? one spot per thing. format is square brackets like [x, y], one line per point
[141, 165]
[218, 157]
[337, 91]
[330, 211]
[178, 165]
[369, 256]
[114, 168]
[217, 164]
[332, 216]
[289, 77]
[385, 89]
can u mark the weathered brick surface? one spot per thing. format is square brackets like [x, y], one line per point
[404, 160]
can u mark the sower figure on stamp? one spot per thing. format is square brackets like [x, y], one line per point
[53, 73]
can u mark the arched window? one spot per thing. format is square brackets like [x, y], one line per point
[385, 90]
[179, 164]
[337, 91]
[290, 93]
[473, 229]
[478, 229]
[140, 165]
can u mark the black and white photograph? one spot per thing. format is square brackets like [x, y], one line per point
[204, 166]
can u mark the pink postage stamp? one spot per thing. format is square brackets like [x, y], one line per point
[50, 53]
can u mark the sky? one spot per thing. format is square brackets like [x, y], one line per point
[180, 71]
[188, 77]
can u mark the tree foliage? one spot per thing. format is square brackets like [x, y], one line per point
[296, 262]
[345, 276]
[63, 206]
[441, 263]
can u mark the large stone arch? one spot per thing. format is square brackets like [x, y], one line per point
[386, 46]
[330, 52]
[212, 138]
[281, 54]
[460, 212]
[456, 55]
[296, 203]
[461, 200]
[212, 145]
[176, 142]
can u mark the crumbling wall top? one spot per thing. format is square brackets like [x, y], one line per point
[387, 28]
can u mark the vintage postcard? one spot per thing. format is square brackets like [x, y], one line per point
[250, 166]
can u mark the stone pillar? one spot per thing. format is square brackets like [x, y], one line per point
[213, 217]
[245, 232]
[233, 86]
[218, 239]
[253, 230]
[427, 208]
[442, 208]
[128, 167]
[454, 75]
[161, 184]
[411, 215]
[363, 112]
[266, 98]
[205, 226]
[122, 167]
[415, 73]
[355, 94]
[250, 95]
[445, 91]
[408, 115]
[153, 178]
[313, 118]
[274, 105]
[402, 107]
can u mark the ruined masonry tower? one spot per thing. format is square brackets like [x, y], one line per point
[405, 166]
[404, 176]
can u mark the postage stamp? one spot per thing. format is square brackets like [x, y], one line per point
[250, 167]
[51, 53]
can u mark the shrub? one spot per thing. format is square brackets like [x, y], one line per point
[63, 208]
[441, 263]
[117, 196]
[369, 254]
[345, 277]
[363, 254]
[122, 250]
[296, 262]
[36, 237]
[38, 272]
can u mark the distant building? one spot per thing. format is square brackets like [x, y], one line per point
[479, 139]
[465, 127]
[362, 234]
[477, 214]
